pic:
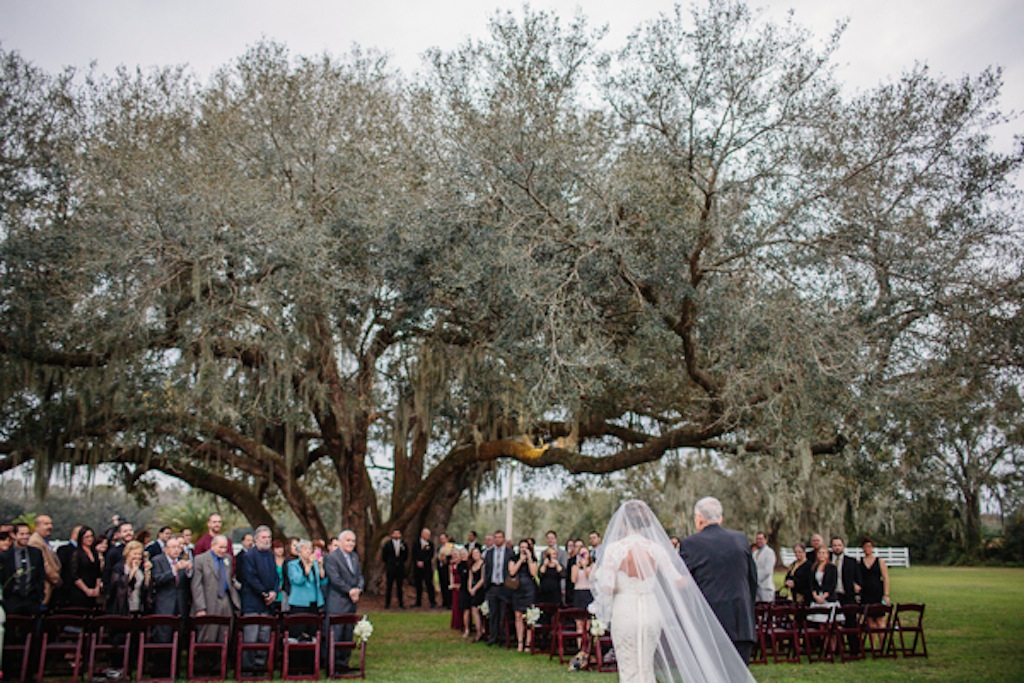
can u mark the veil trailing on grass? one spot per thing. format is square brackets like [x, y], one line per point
[661, 625]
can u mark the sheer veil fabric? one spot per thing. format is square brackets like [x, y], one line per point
[661, 625]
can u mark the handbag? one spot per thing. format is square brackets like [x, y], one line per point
[512, 582]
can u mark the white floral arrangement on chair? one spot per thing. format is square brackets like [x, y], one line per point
[597, 627]
[363, 630]
[485, 609]
[532, 616]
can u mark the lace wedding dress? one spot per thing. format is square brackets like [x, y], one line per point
[661, 626]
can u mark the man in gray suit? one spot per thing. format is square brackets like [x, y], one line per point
[170, 581]
[213, 589]
[344, 586]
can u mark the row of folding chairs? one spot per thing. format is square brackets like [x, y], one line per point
[66, 646]
[563, 632]
[787, 632]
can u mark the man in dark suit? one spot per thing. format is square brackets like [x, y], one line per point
[423, 569]
[395, 555]
[848, 583]
[160, 542]
[125, 534]
[848, 587]
[345, 585]
[64, 554]
[22, 575]
[498, 597]
[723, 567]
[257, 573]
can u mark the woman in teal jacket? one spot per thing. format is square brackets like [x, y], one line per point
[308, 580]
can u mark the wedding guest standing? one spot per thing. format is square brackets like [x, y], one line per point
[22, 575]
[523, 567]
[260, 587]
[40, 539]
[874, 580]
[130, 579]
[475, 590]
[458, 572]
[171, 584]
[345, 587]
[551, 573]
[498, 596]
[308, 581]
[213, 525]
[764, 561]
[798, 576]
[213, 591]
[85, 571]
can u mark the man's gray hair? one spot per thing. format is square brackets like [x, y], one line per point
[261, 528]
[218, 537]
[710, 509]
[346, 531]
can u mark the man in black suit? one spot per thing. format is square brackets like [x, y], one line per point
[848, 584]
[22, 575]
[423, 569]
[848, 587]
[171, 583]
[721, 564]
[498, 597]
[395, 555]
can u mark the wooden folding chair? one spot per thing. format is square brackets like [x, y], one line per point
[63, 641]
[111, 638]
[544, 628]
[565, 628]
[759, 654]
[334, 643]
[848, 632]
[819, 635]
[909, 618]
[605, 653]
[877, 639]
[219, 648]
[306, 623]
[241, 647]
[19, 634]
[784, 633]
[152, 628]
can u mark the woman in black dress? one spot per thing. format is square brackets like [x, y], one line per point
[874, 580]
[551, 573]
[524, 566]
[476, 590]
[85, 571]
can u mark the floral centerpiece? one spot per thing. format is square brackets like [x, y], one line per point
[597, 627]
[485, 609]
[363, 630]
[532, 615]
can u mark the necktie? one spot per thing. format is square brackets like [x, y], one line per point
[223, 588]
[348, 561]
[22, 563]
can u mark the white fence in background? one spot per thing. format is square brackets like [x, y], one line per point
[894, 557]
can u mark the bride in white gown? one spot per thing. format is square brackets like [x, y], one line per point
[662, 627]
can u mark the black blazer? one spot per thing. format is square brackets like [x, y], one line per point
[827, 585]
[36, 577]
[424, 554]
[395, 563]
[849, 575]
[721, 564]
[801, 581]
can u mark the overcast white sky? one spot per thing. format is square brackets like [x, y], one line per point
[884, 38]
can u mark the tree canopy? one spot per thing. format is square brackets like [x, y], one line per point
[312, 277]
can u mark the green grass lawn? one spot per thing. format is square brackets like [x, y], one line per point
[973, 622]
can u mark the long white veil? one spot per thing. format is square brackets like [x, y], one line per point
[639, 566]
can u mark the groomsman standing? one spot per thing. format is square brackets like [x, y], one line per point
[395, 555]
[423, 569]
